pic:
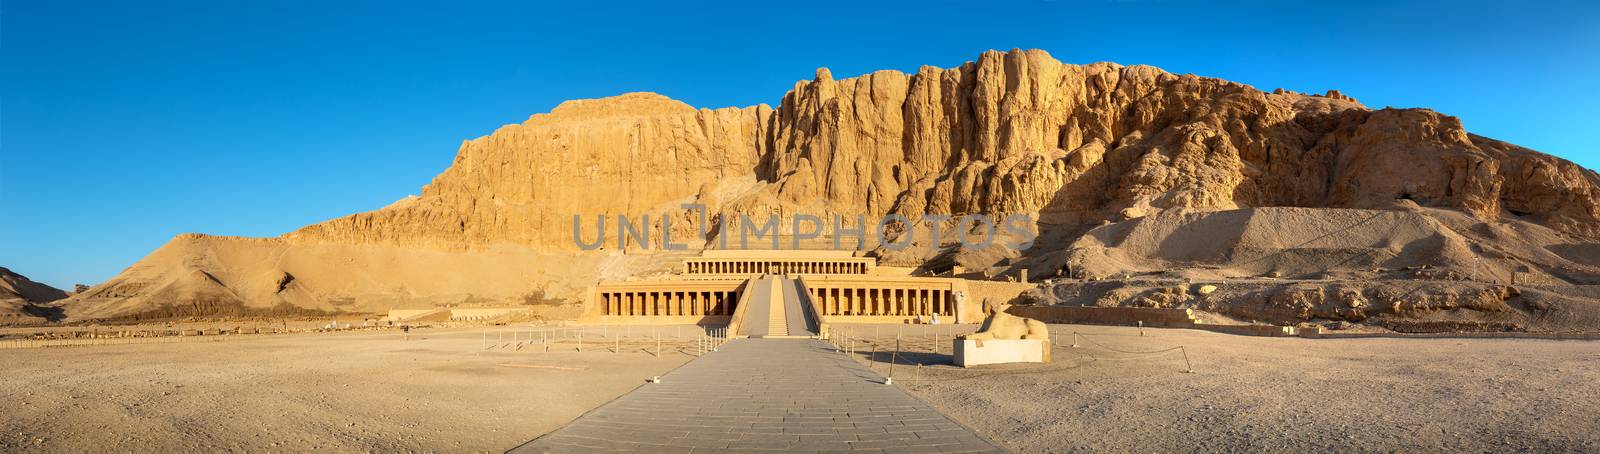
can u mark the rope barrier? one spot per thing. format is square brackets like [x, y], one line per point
[1188, 366]
[1076, 335]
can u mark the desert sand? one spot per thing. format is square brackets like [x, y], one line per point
[1255, 394]
[439, 391]
[347, 392]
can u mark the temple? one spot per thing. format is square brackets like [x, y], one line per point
[778, 293]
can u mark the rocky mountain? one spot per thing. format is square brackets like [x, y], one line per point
[1083, 148]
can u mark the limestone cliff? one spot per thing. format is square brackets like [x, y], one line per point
[1013, 132]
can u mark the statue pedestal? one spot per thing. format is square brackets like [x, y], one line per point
[970, 353]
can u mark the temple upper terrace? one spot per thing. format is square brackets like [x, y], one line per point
[779, 262]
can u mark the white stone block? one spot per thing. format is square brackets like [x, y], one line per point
[977, 352]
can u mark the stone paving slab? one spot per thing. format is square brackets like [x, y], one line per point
[765, 395]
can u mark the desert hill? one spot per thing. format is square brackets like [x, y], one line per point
[20, 298]
[1128, 170]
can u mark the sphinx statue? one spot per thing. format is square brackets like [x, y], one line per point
[1002, 326]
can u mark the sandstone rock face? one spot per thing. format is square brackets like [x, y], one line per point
[633, 154]
[1013, 132]
[1020, 132]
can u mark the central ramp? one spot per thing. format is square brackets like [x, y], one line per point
[765, 394]
[776, 309]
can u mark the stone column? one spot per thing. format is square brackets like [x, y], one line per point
[879, 303]
[916, 302]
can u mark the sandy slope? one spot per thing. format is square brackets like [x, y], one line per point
[220, 276]
[13, 285]
[20, 296]
[1291, 265]
[1291, 241]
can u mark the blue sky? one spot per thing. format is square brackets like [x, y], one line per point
[125, 123]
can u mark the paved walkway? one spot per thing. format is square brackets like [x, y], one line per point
[793, 395]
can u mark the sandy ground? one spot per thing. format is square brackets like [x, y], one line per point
[438, 391]
[1259, 394]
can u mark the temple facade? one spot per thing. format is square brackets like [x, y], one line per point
[778, 293]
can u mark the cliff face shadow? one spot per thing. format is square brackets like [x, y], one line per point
[51, 313]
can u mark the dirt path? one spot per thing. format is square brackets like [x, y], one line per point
[790, 395]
